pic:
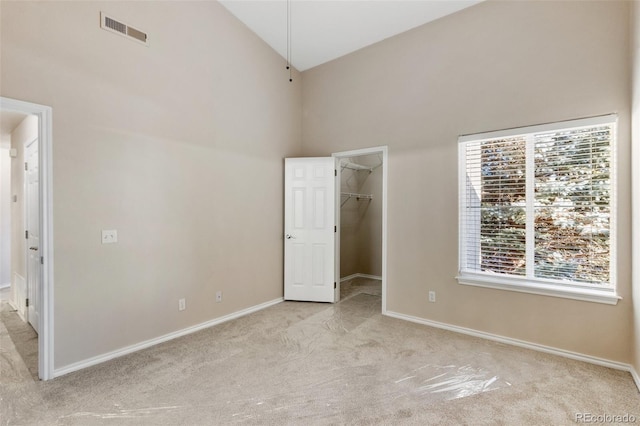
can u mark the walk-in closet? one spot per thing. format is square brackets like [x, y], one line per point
[361, 225]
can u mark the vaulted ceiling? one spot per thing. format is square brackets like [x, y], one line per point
[323, 30]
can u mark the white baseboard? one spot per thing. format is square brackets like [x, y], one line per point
[521, 343]
[19, 295]
[14, 307]
[358, 275]
[5, 285]
[636, 377]
[20, 314]
[152, 342]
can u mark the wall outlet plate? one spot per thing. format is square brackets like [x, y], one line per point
[109, 236]
[218, 296]
[432, 296]
[182, 304]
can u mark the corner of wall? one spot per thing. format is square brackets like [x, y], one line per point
[635, 147]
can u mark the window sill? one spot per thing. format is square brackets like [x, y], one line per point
[607, 296]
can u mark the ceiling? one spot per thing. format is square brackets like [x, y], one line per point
[8, 121]
[323, 30]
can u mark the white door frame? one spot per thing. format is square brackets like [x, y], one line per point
[45, 158]
[384, 151]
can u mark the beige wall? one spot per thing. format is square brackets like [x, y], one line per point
[177, 145]
[361, 220]
[495, 65]
[635, 53]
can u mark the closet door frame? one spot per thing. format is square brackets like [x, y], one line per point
[46, 370]
[384, 152]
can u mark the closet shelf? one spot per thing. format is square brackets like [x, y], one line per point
[353, 166]
[358, 197]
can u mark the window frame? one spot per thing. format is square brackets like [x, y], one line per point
[539, 286]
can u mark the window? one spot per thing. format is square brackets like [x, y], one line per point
[537, 209]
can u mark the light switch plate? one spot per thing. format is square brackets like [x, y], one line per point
[109, 236]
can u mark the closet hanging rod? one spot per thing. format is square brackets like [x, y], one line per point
[354, 195]
[358, 197]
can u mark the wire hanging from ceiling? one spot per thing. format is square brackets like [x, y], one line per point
[289, 38]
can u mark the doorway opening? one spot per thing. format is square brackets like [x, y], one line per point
[361, 223]
[29, 127]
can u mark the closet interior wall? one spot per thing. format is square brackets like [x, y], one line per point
[361, 219]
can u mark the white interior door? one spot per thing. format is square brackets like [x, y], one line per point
[309, 226]
[32, 221]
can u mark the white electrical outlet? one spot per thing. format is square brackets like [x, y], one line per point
[218, 296]
[182, 304]
[432, 296]
[109, 236]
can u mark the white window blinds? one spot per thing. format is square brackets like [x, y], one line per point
[495, 200]
[572, 206]
[537, 203]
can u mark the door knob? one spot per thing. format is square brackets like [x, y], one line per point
[33, 248]
[289, 237]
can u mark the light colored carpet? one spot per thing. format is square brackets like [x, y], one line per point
[23, 336]
[309, 363]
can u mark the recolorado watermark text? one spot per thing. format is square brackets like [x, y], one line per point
[605, 418]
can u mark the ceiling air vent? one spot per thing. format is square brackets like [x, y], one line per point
[118, 27]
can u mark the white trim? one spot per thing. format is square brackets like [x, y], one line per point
[543, 289]
[635, 187]
[636, 376]
[462, 206]
[469, 275]
[336, 221]
[530, 215]
[384, 150]
[5, 285]
[170, 336]
[613, 205]
[521, 343]
[15, 308]
[540, 128]
[45, 152]
[19, 283]
[359, 275]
